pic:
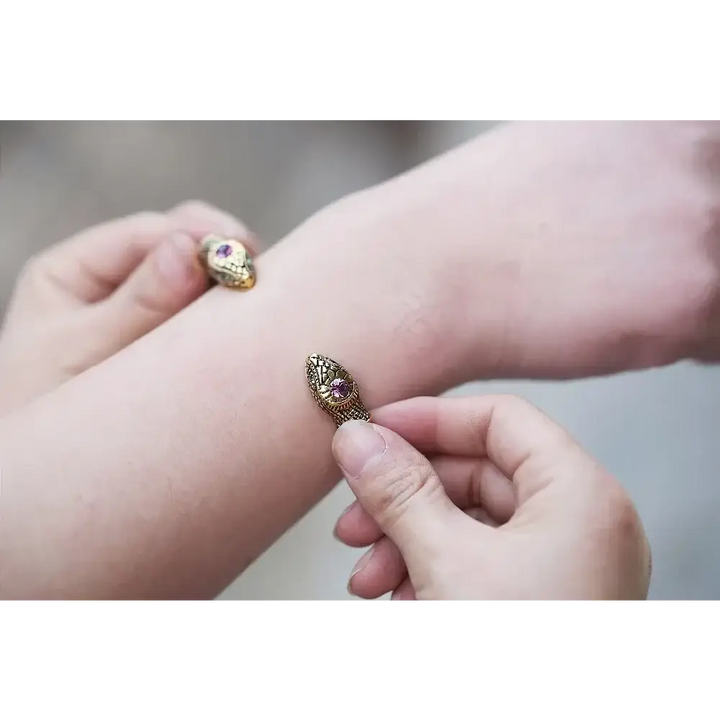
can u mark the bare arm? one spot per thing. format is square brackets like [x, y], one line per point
[166, 470]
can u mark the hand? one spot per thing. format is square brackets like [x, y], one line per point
[510, 507]
[559, 249]
[81, 301]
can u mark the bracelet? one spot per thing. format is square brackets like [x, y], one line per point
[227, 262]
[334, 390]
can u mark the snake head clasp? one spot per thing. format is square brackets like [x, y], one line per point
[228, 262]
[334, 389]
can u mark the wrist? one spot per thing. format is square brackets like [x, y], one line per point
[521, 284]
[399, 283]
[440, 264]
[364, 305]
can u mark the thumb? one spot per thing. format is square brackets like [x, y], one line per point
[397, 486]
[168, 280]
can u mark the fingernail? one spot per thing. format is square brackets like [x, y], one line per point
[337, 522]
[347, 510]
[176, 259]
[361, 564]
[355, 445]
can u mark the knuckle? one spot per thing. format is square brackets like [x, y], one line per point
[33, 266]
[398, 486]
[203, 217]
[506, 409]
[514, 405]
[148, 223]
[35, 272]
[616, 517]
[621, 508]
[143, 231]
[194, 207]
[149, 303]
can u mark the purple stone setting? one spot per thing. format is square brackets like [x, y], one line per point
[340, 388]
[224, 250]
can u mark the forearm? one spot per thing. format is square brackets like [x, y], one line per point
[166, 470]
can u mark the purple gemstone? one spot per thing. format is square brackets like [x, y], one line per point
[223, 251]
[339, 388]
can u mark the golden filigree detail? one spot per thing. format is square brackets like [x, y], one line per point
[228, 262]
[334, 389]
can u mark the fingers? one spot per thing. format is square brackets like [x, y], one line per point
[524, 444]
[564, 500]
[380, 570]
[356, 528]
[199, 219]
[405, 591]
[477, 483]
[397, 486]
[89, 266]
[168, 280]
[474, 485]
[471, 483]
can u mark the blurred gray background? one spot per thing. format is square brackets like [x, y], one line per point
[658, 431]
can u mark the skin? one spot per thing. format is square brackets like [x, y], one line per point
[510, 508]
[84, 299]
[535, 251]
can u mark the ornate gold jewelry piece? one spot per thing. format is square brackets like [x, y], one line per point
[227, 262]
[334, 390]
